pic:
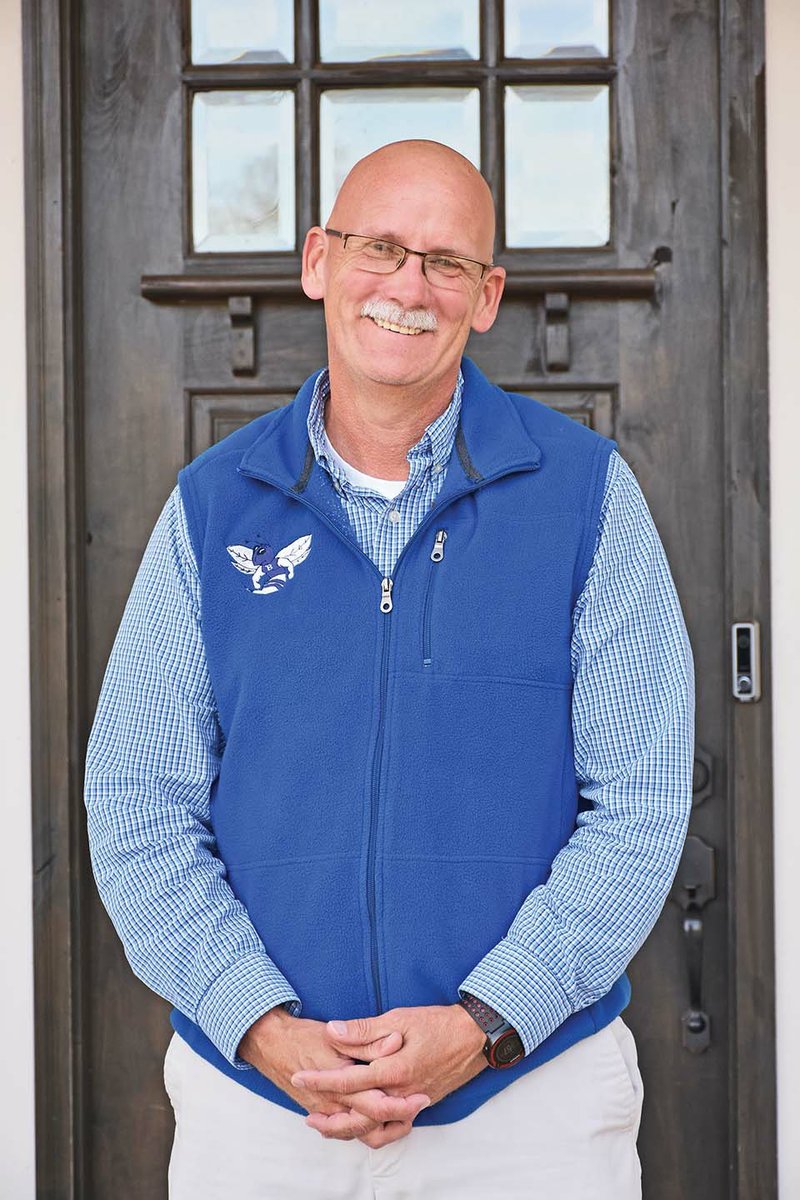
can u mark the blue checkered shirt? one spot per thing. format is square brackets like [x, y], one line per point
[156, 746]
[380, 531]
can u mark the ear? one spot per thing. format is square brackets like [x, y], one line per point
[491, 291]
[313, 271]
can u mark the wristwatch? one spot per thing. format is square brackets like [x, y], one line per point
[503, 1046]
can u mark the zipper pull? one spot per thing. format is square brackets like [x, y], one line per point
[386, 595]
[437, 553]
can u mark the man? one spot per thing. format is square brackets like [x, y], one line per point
[397, 732]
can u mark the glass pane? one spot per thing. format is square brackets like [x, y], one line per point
[556, 28]
[354, 123]
[359, 30]
[255, 31]
[558, 190]
[243, 171]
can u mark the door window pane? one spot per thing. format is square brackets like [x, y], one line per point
[556, 28]
[243, 171]
[558, 190]
[362, 30]
[354, 123]
[255, 31]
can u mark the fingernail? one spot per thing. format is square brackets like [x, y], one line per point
[337, 1027]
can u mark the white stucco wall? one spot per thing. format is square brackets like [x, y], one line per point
[16, 940]
[783, 183]
[16, 994]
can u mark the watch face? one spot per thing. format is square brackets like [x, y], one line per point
[508, 1049]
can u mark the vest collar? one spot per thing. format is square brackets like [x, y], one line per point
[490, 440]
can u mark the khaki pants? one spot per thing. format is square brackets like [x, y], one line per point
[565, 1131]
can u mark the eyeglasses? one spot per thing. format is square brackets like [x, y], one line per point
[382, 257]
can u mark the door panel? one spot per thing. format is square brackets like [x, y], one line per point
[173, 365]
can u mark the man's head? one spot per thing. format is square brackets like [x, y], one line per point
[422, 196]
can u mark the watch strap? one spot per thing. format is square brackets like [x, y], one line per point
[483, 1014]
[503, 1046]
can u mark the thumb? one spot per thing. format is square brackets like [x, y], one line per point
[373, 1037]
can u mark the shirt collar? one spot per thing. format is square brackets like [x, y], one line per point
[432, 449]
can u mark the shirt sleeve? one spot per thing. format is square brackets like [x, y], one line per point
[633, 730]
[152, 758]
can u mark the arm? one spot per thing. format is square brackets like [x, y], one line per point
[633, 717]
[152, 758]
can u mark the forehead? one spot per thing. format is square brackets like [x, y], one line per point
[424, 212]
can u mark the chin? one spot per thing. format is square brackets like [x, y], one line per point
[400, 369]
[398, 378]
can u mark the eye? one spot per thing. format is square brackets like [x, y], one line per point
[382, 249]
[447, 266]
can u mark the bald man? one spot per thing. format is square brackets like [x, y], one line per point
[391, 767]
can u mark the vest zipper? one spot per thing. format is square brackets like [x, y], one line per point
[386, 606]
[437, 554]
[377, 761]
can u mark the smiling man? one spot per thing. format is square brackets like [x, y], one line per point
[391, 768]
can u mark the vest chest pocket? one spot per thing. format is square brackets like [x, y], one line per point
[496, 602]
[437, 557]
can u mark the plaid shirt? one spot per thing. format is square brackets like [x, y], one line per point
[155, 750]
[383, 527]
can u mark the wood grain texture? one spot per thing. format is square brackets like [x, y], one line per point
[745, 375]
[50, 49]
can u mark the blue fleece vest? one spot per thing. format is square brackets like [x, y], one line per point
[395, 782]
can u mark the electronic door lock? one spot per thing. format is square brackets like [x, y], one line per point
[746, 660]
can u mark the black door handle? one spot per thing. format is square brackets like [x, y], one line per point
[694, 886]
[696, 1022]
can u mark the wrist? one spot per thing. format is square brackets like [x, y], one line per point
[264, 1032]
[473, 1035]
[503, 1047]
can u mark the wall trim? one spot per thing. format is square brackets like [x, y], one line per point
[51, 72]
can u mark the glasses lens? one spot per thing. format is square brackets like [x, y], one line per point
[445, 271]
[375, 255]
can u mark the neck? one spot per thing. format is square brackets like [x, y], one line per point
[374, 425]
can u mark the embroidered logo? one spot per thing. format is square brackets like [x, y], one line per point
[270, 571]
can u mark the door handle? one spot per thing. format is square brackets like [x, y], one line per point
[696, 1022]
[694, 886]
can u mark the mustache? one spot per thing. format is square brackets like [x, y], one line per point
[412, 318]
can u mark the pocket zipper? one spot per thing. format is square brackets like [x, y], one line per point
[437, 554]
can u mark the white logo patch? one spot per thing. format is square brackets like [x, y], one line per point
[270, 571]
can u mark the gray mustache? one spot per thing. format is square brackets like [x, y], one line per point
[412, 318]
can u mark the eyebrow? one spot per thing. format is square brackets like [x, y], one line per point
[393, 237]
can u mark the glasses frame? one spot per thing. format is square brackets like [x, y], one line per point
[423, 254]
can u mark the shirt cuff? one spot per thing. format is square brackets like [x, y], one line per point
[522, 990]
[237, 998]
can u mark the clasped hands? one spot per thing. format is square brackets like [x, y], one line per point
[367, 1078]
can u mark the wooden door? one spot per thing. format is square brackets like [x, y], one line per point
[201, 152]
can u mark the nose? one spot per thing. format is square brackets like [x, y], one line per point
[408, 284]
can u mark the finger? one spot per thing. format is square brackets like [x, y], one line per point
[379, 1107]
[343, 1080]
[380, 1048]
[365, 1037]
[368, 1111]
[392, 1131]
[342, 1126]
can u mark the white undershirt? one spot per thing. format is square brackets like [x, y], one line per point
[386, 487]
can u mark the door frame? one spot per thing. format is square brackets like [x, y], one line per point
[61, 872]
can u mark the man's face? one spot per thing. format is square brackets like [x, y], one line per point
[429, 210]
